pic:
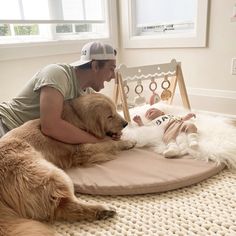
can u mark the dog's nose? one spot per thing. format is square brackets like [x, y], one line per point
[125, 124]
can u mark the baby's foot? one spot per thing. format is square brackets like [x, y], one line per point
[182, 144]
[171, 151]
[193, 140]
[193, 144]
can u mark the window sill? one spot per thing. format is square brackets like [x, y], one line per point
[172, 41]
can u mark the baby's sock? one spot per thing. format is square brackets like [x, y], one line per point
[172, 150]
[193, 140]
[182, 143]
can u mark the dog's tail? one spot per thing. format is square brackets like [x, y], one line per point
[13, 225]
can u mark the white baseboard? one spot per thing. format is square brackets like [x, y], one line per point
[230, 94]
[211, 100]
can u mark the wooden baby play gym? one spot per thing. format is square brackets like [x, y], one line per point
[167, 75]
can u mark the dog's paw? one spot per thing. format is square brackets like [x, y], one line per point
[105, 213]
[127, 144]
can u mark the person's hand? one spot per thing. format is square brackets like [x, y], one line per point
[116, 136]
[105, 139]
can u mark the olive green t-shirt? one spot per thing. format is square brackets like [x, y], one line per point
[25, 106]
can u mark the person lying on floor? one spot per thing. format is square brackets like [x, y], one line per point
[172, 126]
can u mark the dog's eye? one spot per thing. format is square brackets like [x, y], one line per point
[110, 117]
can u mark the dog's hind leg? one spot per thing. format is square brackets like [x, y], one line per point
[71, 209]
[65, 205]
[46, 193]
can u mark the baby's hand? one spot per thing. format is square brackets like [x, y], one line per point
[189, 116]
[137, 119]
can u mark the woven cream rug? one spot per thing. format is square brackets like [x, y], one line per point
[207, 208]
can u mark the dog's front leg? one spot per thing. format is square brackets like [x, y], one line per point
[88, 154]
[124, 144]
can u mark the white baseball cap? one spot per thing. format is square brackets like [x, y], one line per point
[95, 51]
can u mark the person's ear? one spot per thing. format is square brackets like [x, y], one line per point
[94, 66]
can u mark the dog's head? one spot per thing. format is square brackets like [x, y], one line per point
[97, 115]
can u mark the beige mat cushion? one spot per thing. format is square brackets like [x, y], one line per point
[140, 171]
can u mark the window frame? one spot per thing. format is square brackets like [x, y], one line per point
[197, 39]
[59, 46]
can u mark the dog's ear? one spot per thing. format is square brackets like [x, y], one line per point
[89, 113]
[95, 124]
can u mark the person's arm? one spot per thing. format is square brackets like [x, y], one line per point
[51, 106]
[188, 116]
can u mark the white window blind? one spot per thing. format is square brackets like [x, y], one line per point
[51, 11]
[164, 23]
[47, 20]
[163, 16]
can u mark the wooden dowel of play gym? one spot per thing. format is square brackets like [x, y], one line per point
[172, 88]
[182, 88]
[116, 90]
[123, 98]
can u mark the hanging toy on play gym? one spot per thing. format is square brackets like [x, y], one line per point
[139, 100]
[166, 93]
[155, 98]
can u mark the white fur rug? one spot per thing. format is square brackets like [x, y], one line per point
[217, 135]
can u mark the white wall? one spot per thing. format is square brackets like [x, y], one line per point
[15, 73]
[206, 70]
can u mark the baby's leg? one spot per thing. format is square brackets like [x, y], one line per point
[192, 135]
[193, 140]
[172, 150]
[182, 143]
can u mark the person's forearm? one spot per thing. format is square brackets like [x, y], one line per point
[67, 133]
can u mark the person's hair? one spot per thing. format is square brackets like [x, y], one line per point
[88, 65]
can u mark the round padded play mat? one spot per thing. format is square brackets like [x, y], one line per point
[140, 171]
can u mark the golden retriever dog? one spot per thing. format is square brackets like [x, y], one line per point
[34, 189]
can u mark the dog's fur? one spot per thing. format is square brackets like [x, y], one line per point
[33, 186]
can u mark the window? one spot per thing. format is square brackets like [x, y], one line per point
[32, 20]
[40, 25]
[164, 23]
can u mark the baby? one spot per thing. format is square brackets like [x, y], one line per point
[172, 126]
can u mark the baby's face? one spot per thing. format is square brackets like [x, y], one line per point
[153, 113]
